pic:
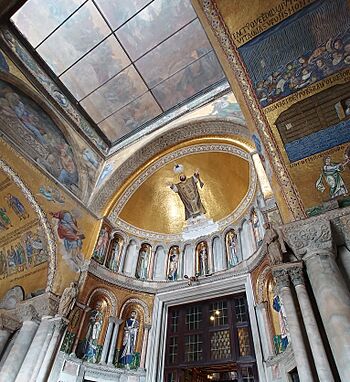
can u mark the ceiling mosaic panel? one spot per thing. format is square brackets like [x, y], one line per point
[125, 61]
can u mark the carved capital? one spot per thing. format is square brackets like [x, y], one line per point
[313, 237]
[262, 306]
[345, 228]
[296, 274]
[281, 277]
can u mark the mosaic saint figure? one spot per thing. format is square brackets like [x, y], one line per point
[93, 334]
[142, 263]
[280, 340]
[187, 189]
[331, 173]
[231, 247]
[3, 264]
[16, 206]
[256, 226]
[129, 340]
[173, 263]
[101, 246]
[68, 231]
[5, 221]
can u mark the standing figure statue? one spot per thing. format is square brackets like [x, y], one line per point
[203, 268]
[93, 334]
[129, 340]
[142, 263]
[231, 243]
[275, 245]
[173, 263]
[67, 300]
[188, 192]
[114, 254]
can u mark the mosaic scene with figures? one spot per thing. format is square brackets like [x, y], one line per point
[174, 191]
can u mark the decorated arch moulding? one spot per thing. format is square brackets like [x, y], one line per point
[143, 176]
[103, 200]
[136, 301]
[290, 193]
[261, 283]
[110, 296]
[43, 221]
[61, 126]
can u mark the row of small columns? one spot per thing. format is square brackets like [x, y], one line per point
[110, 340]
[33, 350]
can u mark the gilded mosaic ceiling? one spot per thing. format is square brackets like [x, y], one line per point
[224, 173]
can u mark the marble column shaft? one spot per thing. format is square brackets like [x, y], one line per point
[77, 337]
[18, 352]
[318, 351]
[111, 353]
[333, 301]
[144, 346]
[263, 323]
[51, 349]
[107, 340]
[4, 336]
[33, 353]
[299, 349]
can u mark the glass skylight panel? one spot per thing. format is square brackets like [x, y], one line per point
[115, 94]
[118, 11]
[96, 68]
[174, 54]
[199, 75]
[74, 38]
[36, 19]
[133, 115]
[154, 24]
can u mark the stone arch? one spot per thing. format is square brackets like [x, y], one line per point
[43, 221]
[109, 295]
[181, 133]
[146, 312]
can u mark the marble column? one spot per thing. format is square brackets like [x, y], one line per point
[263, 323]
[59, 324]
[144, 345]
[33, 353]
[301, 358]
[18, 352]
[318, 351]
[111, 353]
[81, 324]
[333, 301]
[4, 336]
[43, 350]
[107, 341]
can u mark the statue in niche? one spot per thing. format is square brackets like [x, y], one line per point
[232, 247]
[173, 263]
[67, 300]
[280, 340]
[93, 334]
[202, 259]
[131, 328]
[142, 262]
[101, 246]
[275, 244]
[116, 246]
[256, 227]
[187, 189]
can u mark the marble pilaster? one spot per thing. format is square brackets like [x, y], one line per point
[301, 357]
[18, 352]
[77, 337]
[111, 353]
[33, 353]
[4, 336]
[107, 340]
[318, 351]
[59, 324]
